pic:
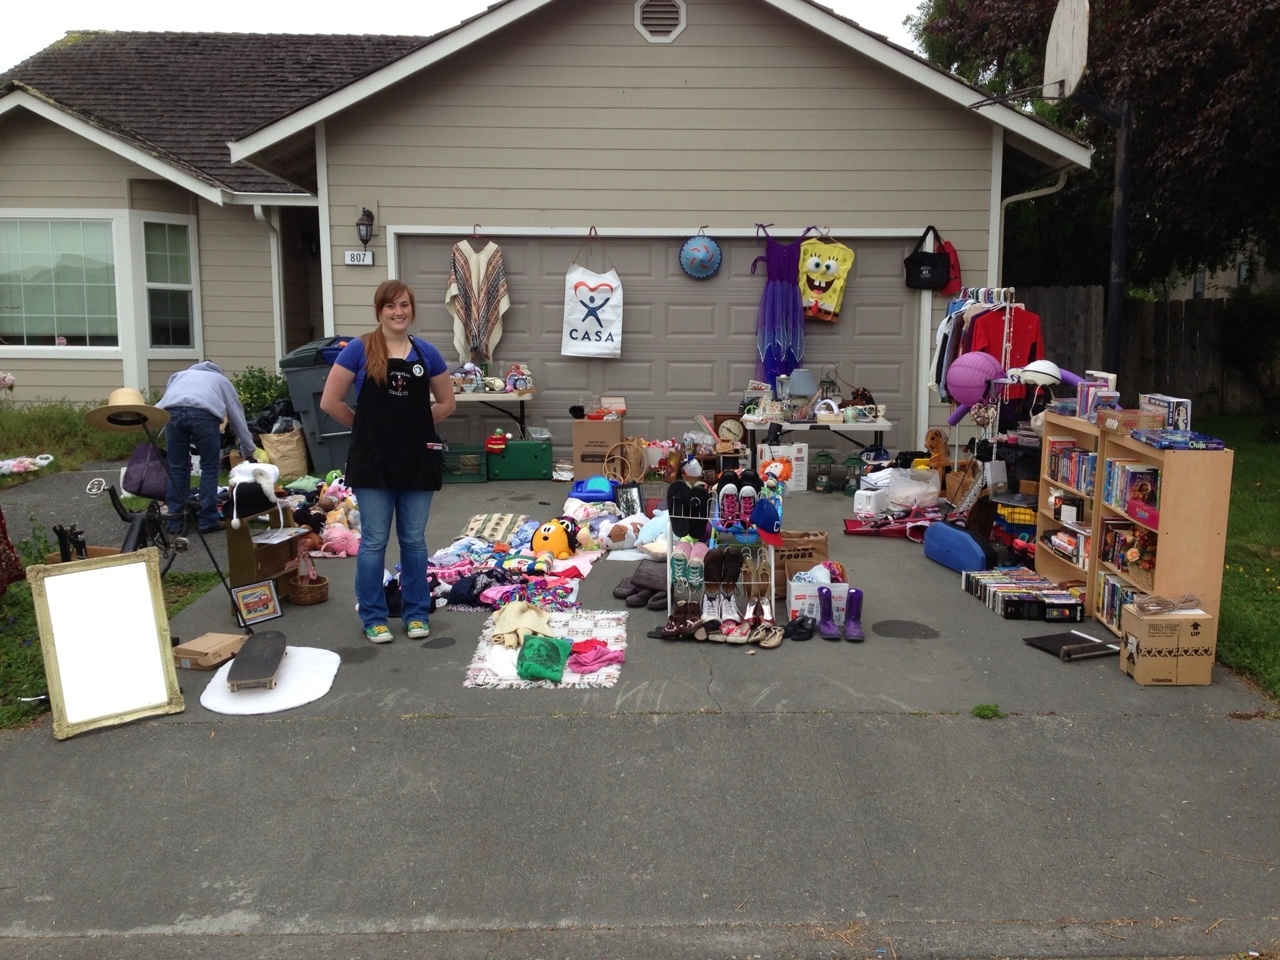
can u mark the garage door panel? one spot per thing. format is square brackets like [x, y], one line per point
[692, 322]
[880, 321]
[689, 346]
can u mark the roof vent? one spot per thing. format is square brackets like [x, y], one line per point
[660, 21]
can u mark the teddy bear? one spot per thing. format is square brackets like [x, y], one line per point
[340, 541]
[935, 441]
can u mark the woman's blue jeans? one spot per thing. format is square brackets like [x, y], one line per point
[412, 509]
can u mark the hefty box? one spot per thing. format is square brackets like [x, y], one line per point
[797, 454]
[207, 651]
[802, 600]
[1168, 649]
[592, 439]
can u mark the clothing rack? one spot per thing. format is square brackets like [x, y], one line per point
[992, 295]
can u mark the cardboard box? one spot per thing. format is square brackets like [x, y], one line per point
[1168, 649]
[802, 600]
[797, 453]
[207, 651]
[592, 439]
[1126, 420]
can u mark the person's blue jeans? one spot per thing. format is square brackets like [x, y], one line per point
[412, 509]
[193, 427]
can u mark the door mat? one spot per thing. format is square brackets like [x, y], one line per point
[494, 664]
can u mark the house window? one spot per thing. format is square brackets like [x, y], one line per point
[169, 286]
[660, 21]
[1197, 285]
[57, 283]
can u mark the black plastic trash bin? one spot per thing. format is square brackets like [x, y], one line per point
[305, 369]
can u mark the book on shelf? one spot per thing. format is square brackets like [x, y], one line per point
[1179, 440]
[1176, 410]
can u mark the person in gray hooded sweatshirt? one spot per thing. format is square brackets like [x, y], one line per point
[198, 399]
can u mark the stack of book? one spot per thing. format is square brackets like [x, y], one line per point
[1126, 480]
[1019, 593]
[1070, 464]
[1113, 594]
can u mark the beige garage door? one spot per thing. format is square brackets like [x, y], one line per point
[689, 346]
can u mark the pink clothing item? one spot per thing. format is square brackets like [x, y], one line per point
[593, 660]
[586, 646]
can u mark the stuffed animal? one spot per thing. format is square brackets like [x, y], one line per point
[553, 537]
[340, 541]
[935, 441]
[622, 535]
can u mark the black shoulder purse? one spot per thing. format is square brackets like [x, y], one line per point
[928, 271]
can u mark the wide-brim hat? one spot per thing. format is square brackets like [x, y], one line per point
[126, 409]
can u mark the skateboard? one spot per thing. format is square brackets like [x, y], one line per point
[257, 662]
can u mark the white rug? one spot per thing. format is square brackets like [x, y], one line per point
[494, 665]
[305, 674]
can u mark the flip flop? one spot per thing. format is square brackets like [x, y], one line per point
[678, 507]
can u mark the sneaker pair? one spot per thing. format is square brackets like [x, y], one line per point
[381, 633]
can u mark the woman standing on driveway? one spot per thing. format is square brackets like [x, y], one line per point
[395, 461]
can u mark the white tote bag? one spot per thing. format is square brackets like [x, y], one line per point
[592, 314]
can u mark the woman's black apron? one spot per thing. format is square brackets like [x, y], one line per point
[392, 429]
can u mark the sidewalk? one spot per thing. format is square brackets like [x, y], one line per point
[817, 800]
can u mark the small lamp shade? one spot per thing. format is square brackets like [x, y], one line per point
[803, 382]
[364, 226]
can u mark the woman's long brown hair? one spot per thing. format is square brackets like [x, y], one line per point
[375, 344]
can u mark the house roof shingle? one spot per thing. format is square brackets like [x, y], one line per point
[182, 96]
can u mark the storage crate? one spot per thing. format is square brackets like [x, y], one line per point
[465, 465]
[522, 460]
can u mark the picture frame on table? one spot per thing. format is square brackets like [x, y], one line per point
[256, 602]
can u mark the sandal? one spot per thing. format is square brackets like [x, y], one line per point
[801, 628]
[767, 637]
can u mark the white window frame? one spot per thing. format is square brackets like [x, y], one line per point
[122, 251]
[137, 220]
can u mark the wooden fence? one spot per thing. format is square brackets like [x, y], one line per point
[1167, 347]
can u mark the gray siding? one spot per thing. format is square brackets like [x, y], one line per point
[43, 166]
[572, 119]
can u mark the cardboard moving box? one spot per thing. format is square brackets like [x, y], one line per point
[1168, 649]
[207, 651]
[592, 439]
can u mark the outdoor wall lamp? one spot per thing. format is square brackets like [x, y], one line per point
[364, 227]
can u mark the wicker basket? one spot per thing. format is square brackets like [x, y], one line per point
[307, 586]
[306, 592]
[1142, 579]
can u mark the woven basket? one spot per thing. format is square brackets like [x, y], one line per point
[1142, 579]
[306, 592]
[626, 460]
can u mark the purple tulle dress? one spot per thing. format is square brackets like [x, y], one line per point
[780, 320]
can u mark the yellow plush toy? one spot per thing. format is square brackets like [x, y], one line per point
[553, 538]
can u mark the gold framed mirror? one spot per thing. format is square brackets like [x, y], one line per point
[104, 634]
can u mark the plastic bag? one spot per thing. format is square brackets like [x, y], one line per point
[909, 489]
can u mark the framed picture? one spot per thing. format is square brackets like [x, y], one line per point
[112, 665]
[256, 602]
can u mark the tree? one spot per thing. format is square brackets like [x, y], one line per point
[1203, 80]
